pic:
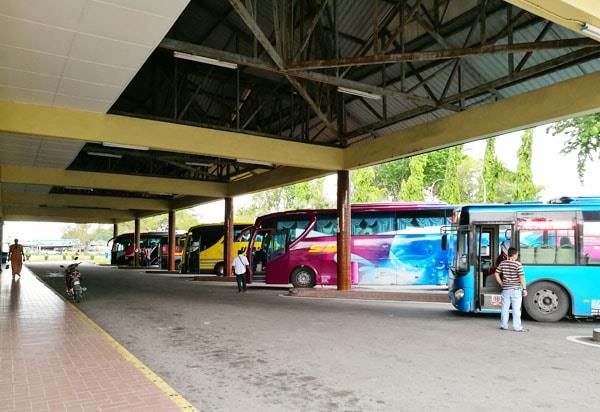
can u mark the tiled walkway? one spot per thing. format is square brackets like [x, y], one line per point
[51, 359]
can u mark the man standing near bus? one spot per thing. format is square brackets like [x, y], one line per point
[240, 268]
[511, 278]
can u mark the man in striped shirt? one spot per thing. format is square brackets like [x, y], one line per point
[511, 278]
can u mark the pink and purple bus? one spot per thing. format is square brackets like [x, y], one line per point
[392, 244]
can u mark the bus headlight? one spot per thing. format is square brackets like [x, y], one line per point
[459, 294]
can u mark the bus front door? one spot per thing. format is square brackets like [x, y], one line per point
[276, 257]
[489, 241]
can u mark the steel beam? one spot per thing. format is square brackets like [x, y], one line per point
[83, 126]
[311, 27]
[444, 54]
[190, 48]
[275, 56]
[93, 180]
[562, 100]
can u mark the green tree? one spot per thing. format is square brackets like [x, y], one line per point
[87, 233]
[81, 232]
[584, 139]
[413, 187]
[450, 190]
[103, 232]
[365, 187]
[469, 178]
[390, 176]
[492, 169]
[525, 190]
[435, 169]
[298, 196]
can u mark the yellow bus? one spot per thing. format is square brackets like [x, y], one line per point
[203, 248]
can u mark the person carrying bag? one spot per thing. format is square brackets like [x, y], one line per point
[240, 268]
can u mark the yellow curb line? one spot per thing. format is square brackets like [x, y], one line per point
[179, 400]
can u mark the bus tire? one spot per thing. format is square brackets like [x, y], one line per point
[303, 277]
[219, 269]
[546, 302]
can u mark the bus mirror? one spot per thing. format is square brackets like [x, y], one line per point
[444, 241]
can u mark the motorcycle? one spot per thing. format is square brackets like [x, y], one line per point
[75, 290]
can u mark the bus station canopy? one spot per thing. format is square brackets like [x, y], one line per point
[117, 109]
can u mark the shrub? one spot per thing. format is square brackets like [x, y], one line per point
[45, 257]
[92, 257]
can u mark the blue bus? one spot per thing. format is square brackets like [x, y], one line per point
[559, 247]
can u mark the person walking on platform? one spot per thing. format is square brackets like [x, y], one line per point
[240, 268]
[15, 255]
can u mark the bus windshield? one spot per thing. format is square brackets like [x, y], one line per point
[204, 247]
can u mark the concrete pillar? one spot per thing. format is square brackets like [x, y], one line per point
[343, 235]
[115, 230]
[228, 251]
[136, 241]
[172, 238]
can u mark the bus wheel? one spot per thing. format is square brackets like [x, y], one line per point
[303, 277]
[546, 302]
[219, 269]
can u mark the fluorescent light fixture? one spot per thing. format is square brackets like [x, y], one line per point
[359, 93]
[125, 146]
[205, 60]
[254, 162]
[199, 164]
[591, 31]
[101, 154]
[78, 188]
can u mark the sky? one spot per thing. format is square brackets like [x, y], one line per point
[555, 171]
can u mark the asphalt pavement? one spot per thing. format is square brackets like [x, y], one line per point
[262, 351]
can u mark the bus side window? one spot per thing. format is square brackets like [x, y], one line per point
[591, 242]
[244, 235]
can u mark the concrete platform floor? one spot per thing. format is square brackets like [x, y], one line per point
[260, 351]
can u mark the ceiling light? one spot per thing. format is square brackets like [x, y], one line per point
[255, 162]
[359, 93]
[205, 60]
[101, 154]
[77, 188]
[199, 164]
[125, 146]
[591, 31]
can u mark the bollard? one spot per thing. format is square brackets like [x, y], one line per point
[596, 335]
